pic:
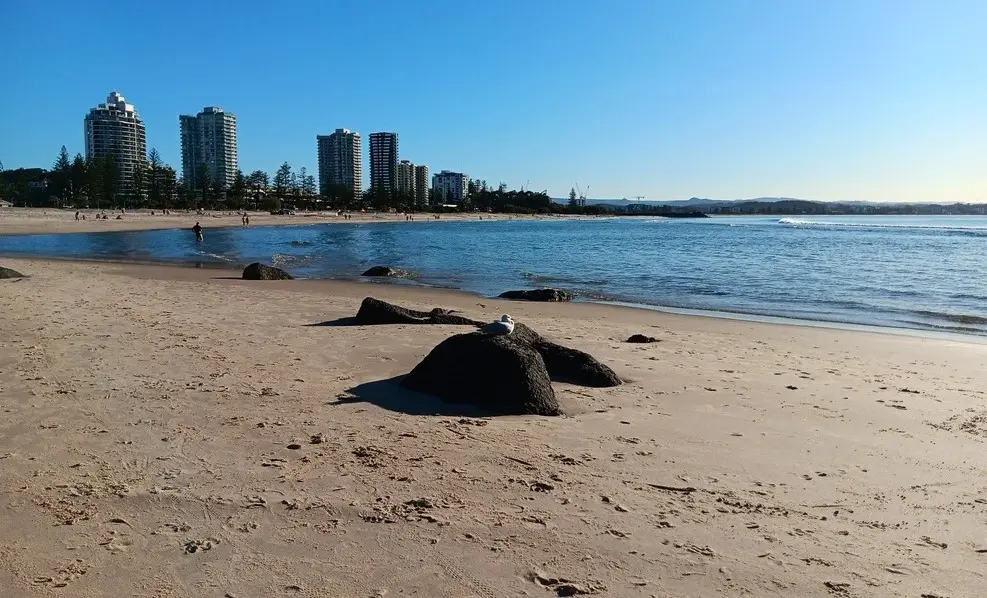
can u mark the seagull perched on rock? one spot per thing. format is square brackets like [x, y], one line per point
[505, 325]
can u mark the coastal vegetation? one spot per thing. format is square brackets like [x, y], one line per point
[95, 183]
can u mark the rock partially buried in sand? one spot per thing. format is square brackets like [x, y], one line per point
[8, 273]
[501, 374]
[374, 311]
[258, 271]
[640, 338]
[383, 271]
[554, 295]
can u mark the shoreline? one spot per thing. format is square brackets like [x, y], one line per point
[411, 285]
[43, 221]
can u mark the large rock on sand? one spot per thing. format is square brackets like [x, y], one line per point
[538, 295]
[374, 312]
[8, 273]
[566, 364]
[501, 374]
[562, 363]
[258, 271]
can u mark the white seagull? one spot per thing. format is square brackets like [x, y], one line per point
[505, 325]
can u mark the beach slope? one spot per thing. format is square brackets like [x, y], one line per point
[177, 432]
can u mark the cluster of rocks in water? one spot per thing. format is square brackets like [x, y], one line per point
[258, 271]
[509, 374]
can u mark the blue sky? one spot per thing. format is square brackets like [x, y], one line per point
[836, 100]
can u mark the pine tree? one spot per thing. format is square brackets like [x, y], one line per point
[154, 179]
[111, 180]
[61, 175]
[202, 181]
[282, 181]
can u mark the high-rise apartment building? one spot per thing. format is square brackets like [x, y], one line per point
[450, 187]
[422, 185]
[406, 178]
[209, 138]
[115, 128]
[340, 161]
[384, 161]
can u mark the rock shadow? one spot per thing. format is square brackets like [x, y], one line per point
[347, 321]
[390, 395]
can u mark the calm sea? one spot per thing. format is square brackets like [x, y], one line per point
[901, 271]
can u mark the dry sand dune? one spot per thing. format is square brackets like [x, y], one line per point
[166, 432]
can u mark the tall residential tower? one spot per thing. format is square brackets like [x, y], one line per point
[423, 185]
[406, 179]
[116, 128]
[340, 161]
[384, 161]
[209, 138]
[451, 187]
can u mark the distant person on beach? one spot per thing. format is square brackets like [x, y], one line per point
[198, 231]
[246, 220]
[77, 216]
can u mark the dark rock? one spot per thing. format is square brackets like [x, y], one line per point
[8, 273]
[640, 338]
[498, 373]
[565, 364]
[562, 363]
[575, 366]
[258, 271]
[374, 311]
[383, 271]
[538, 295]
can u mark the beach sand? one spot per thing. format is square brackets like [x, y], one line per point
[175, 432]
[29, 221]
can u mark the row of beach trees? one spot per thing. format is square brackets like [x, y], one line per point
[95, 183]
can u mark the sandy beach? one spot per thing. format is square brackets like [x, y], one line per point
[30, 221]
[176, 432]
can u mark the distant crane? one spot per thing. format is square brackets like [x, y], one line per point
[582, 194]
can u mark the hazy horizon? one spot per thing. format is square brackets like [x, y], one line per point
[876, 100]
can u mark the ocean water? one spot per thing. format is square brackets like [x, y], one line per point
[899, 271]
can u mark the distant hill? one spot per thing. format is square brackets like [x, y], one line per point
[778, 206]
[692, 202]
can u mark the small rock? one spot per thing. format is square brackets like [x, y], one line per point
[317, 439]
[258, 271]
[294, 446]
[382, 271]
[641, 338]
[551, 295]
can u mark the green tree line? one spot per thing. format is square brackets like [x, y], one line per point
[77, 182]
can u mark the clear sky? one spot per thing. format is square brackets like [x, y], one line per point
[833, 100]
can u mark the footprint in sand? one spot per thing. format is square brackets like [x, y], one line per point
[194, 546]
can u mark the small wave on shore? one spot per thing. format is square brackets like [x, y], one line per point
[805, 223]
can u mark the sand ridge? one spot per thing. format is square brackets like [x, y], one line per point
[167, 432]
